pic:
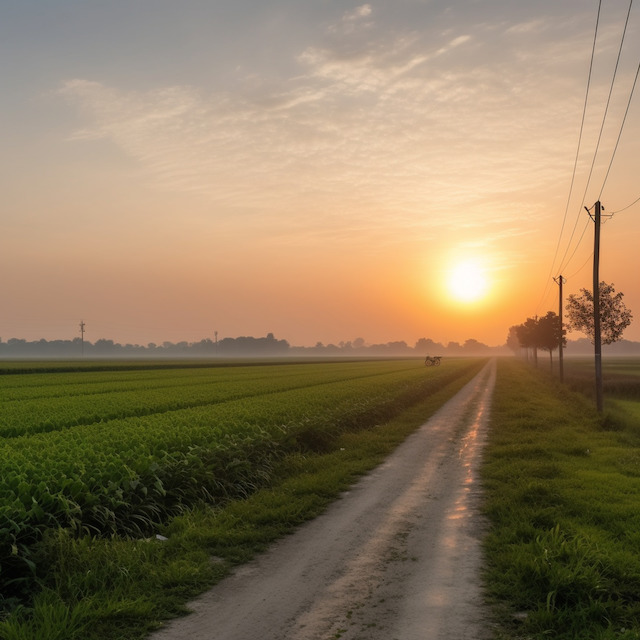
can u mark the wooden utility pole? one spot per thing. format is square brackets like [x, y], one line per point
[82, 337]
[597, 341]
[560, 280]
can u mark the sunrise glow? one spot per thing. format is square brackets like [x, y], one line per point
[322, 171]
[467, 282]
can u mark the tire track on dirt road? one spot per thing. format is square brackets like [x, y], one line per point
[396, 558]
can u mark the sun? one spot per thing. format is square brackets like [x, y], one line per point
[467, 282]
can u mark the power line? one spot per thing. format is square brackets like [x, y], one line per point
[575, 165]
[606, 109]
[568, 262]
[627, 207]
[621, 128]
[573, 275]
[575, 162]
[609, 216]
[604, 118]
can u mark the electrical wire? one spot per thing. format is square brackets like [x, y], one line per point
[604, 118]
[624, 31]
[586, 226]
[606, 109]
[627, 207]
[613, 155]
[573, 275]
[575, 165]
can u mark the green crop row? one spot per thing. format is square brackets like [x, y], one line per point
[35, 385]
[126, 476]
[99, 397]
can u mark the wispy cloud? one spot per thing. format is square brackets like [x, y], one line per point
[375, 130]
[356, 21]
[363, 11]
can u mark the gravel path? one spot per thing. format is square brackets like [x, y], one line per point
[396, 558]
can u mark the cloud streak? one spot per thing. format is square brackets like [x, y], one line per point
[377, 128]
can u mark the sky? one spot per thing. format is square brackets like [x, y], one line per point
[315, 169]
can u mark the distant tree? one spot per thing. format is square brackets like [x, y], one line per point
[206, 346]
[104, 346]
[453, 347]
[398, 347]
[548, 334]
[527, 336]
[614, 315]
[473, 346]
[426, 346]
[513, 341]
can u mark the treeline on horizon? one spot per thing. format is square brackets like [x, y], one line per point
[229, 347]
[270, 346]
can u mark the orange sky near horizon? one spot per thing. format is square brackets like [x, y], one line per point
[313, 170]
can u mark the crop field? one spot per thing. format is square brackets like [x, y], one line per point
[620, 376]
[105, 451]
[99, 457]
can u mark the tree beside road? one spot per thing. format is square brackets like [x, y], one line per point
[614, 315]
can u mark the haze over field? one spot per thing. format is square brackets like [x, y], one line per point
[321, 170]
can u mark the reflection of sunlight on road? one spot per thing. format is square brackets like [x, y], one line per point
[468, 454]
[397, 557]
[436, 609]
[409, 528]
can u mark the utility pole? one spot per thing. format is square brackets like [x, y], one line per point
[560, 281]
[535, 343]
[597, 341]
[82, 337]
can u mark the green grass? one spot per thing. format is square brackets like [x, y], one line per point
[562, 492]
[115, 588]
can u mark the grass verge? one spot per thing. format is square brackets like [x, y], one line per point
[122, 589]
[562, 487]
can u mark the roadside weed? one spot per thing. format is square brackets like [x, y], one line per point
[562, 494]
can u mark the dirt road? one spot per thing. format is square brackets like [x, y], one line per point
[396, 558]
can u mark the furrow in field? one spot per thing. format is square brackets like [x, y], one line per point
[126, 476]
[39, 415]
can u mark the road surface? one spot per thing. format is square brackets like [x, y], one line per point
[397, 557]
